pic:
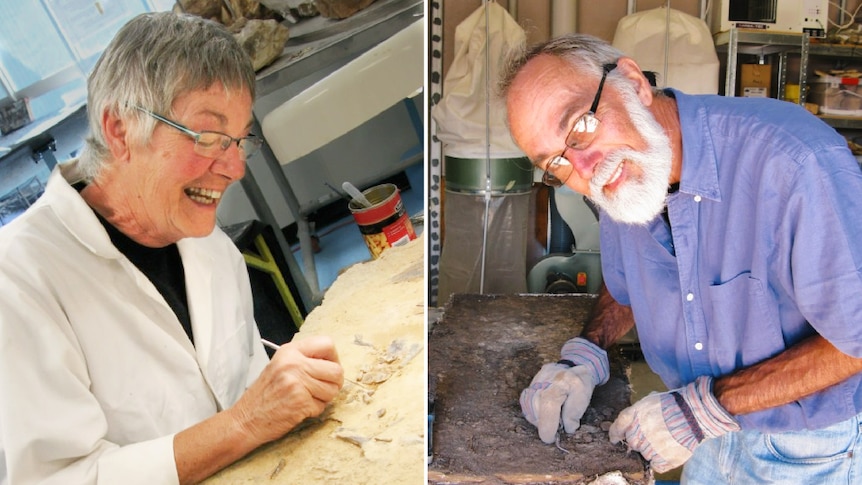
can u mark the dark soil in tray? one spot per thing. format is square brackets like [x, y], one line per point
[482, 353]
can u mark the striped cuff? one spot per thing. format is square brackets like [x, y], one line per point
[714, 420]
[583, 352]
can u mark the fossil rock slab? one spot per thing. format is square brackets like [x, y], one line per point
[374, 431]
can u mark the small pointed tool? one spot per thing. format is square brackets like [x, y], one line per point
[356, 194]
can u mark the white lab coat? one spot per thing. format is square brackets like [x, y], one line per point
[96, 372]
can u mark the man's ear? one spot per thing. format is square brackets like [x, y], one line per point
[630, 69]
[116, 134]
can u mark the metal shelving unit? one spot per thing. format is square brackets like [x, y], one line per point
[765, 44]
[835, 50]
[842, 122]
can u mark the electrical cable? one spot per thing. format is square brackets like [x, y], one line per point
[852, 16]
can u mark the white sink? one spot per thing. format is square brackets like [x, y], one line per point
[366, 86]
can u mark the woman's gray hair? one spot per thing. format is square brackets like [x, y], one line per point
[154, 59]
[584, 52]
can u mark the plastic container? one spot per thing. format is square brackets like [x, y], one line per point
[834, 95]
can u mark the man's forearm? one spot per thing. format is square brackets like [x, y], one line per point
[809, 366]
[609, 322]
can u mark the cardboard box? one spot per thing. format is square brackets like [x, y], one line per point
[813, 108]
[755, 80]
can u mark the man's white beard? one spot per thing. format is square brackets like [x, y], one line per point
[636, 201]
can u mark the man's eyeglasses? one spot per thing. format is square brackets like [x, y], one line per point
[212, 144]
[583, 133]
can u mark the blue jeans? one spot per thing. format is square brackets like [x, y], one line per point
[827, 456]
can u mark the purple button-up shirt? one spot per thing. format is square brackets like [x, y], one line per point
[766, 250]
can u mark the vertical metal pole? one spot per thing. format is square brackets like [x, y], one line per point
[666, 42]
[781, 91]
[803, 68]
[513, 9]
[303, 230]
[263, 211]
[564, 17]
[730, 76]
[487, 151]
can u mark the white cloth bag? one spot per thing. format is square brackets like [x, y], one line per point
[692, 63]
[461, 113]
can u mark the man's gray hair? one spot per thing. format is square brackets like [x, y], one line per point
[584, 52]
[154, 59]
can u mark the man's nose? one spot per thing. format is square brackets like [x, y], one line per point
[583, 161]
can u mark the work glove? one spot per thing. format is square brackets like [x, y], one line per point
[561, 391]
[666, 427]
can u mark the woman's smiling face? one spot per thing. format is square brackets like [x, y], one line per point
[172, 192]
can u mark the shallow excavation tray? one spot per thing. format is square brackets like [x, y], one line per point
[482, 352]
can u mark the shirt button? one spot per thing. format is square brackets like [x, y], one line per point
[697, 198]
[698, 346]
[689, 297]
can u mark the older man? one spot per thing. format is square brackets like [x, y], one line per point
[128, 347]
[731, 230]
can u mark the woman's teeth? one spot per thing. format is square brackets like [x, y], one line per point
[203, 196]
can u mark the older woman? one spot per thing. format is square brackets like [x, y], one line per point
[128, 347]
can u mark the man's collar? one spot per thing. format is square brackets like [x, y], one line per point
[699, 167]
